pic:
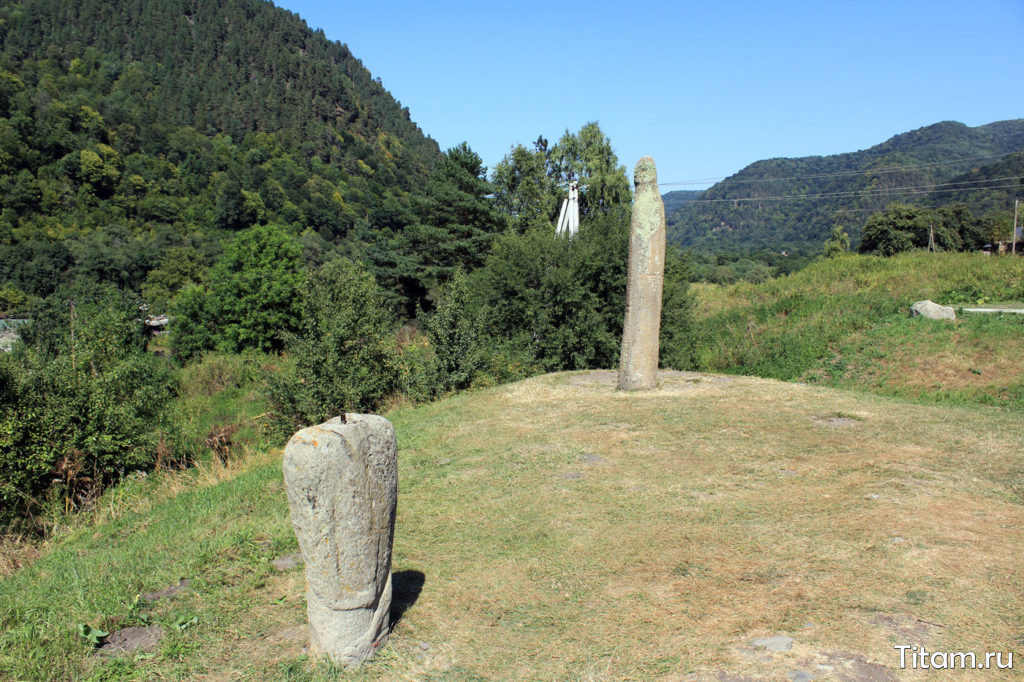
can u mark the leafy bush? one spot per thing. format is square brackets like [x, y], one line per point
[81, 403]
[677, 343]
[556, 298]
[253, 289]
[555, 303]
[251, 300]
[456, 337]
[343, 356]
[192, 329]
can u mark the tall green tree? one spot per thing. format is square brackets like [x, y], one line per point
[254, 289]
[524, 187]
[838, 243]
[343, 349]
[587, 156]
[456, 337]
[457, 221]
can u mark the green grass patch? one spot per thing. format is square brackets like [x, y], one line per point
[845, 322]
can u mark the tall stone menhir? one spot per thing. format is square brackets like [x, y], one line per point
[342, 483]
[638, 365]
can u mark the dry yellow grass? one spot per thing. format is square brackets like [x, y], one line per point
[569, 531]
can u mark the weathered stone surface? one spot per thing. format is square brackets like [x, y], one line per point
[131, 639]
[169, 591]
[933, 311]
[638, 363]
[342, 483]
[776, 643]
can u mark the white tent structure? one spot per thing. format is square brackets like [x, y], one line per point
[569, 216]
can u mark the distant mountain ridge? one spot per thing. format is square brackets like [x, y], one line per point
[935, 165]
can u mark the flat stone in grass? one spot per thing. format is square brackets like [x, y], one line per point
[571, 476]
[834, 421]
[131, 639]
[589, 458]
[169, 591]
[933, 311]
[855, 668]
[776, 643]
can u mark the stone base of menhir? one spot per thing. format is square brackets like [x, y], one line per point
[342, 483]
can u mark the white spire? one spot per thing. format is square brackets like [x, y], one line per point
[569, 216]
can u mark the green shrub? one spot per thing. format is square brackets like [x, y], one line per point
[677, 343]
[254, 288]
[251, 300]
[81, 403]
[192, 328]
[343, 357]
[559, 300]
[456, 338]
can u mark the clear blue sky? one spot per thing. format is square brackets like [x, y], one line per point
[703, 87]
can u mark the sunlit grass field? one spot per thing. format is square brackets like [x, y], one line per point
[557, 529]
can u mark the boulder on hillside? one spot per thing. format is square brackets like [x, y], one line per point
[933, 311]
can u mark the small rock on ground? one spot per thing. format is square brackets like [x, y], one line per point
[571, 476]
[834, 421]
[933, 311]
[800, 676]
[168, 591]
[776, 643]
[288, 562]
[131, 639]
[589, 458]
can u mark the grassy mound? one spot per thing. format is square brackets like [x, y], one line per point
[845, 323]
[555, 528]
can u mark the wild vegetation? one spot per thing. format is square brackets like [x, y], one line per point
[180, 169]
[130, 156]
[845, 322]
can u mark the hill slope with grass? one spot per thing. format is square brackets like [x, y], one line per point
[555, 528]
[846, 323]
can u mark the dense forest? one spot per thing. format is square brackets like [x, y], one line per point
[934, 166]
[136, 137]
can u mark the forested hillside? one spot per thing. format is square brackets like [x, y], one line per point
[679, 198]
[136, 136]
[760, 207]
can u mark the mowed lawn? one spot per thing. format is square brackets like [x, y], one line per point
[557, 529]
